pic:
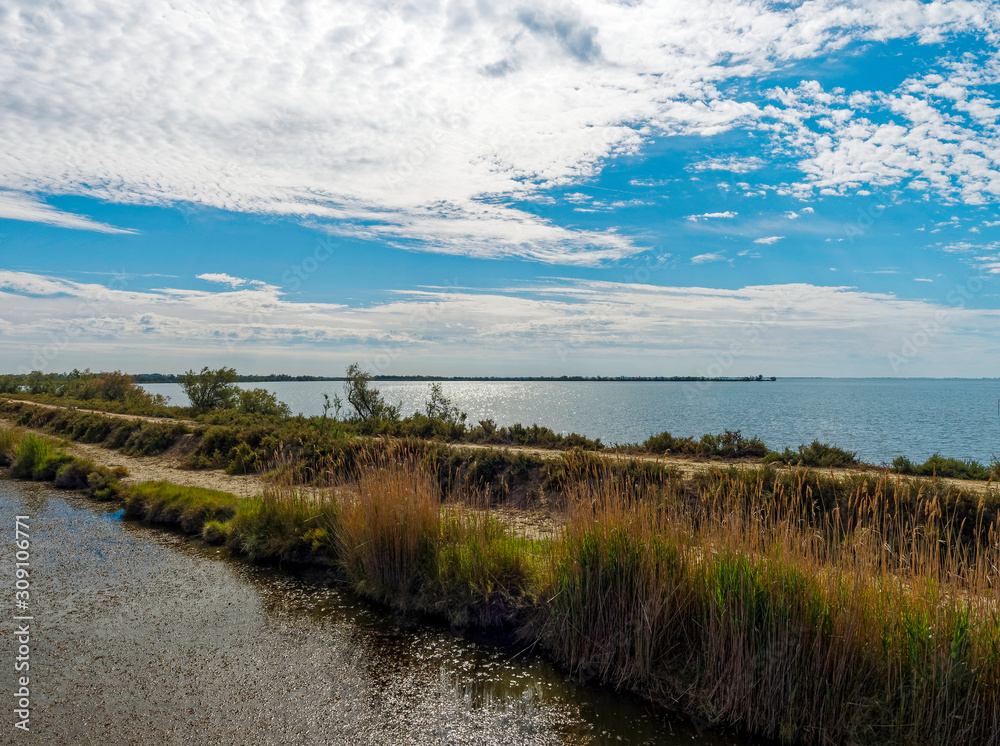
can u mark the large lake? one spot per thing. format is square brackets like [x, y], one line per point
[879, 418]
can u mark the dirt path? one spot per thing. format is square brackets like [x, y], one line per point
[689, 467]
[686, 466]
[119, 415]
[167, 466]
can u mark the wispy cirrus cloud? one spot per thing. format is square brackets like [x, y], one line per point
[708, 258]
[18, 206]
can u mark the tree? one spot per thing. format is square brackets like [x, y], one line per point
[210, 389]
[367, 401]
[439, 406]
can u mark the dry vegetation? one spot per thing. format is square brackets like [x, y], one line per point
[789, 603]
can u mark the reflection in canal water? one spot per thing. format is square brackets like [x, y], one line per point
[141, 637]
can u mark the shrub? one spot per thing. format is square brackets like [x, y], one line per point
[728, 444]
[104, 484]
[732, 444]
[262, 402]
[815, 454]
[153, 438]
[244, 460]
[939, 466]
[73, 475]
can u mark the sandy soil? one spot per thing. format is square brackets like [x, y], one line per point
[688, 467]
[100, 411]
[167, 466]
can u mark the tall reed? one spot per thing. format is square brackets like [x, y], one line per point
[390, 516]
[752, 606]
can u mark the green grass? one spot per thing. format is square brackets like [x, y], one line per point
[187, 508]
[30, 457]
[482, 574]
[9, 439]
[284, 524]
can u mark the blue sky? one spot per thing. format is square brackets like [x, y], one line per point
[715, 188]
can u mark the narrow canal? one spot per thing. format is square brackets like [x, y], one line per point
[142, 637]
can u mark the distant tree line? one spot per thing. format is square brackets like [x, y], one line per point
[144, 378]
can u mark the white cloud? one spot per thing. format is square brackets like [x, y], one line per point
[807, 211]
[17, 206]
[712, 216]
[651, 182]
[172, 329]
[733, 164]
[418, 125]
[927, 135]
[715, 256]
[234, 282]
[768, 240]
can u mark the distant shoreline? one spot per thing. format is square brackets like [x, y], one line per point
[143, 378]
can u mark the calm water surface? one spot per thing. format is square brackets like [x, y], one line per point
[139, 637]
[878, 418]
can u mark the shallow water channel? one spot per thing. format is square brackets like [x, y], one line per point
[141, 637]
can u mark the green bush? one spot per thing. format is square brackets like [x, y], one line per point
[153, 438]
[210, 389]
[104, 483]
[73, 474]
[728, 444]
[953, 468]
[815, 454]
[262, 402]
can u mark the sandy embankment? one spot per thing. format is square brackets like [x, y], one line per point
[167, 466]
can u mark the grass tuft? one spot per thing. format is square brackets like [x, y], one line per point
[31, 455]
[188, 508]
[10, 437]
